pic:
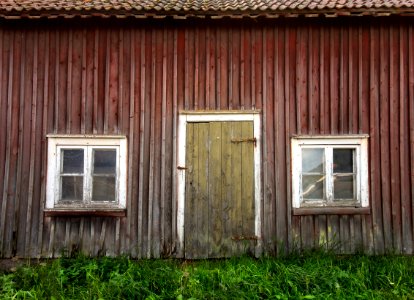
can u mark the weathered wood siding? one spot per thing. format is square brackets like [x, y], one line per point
[119, 77]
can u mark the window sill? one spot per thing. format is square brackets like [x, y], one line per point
[304, 211]
[75, 212]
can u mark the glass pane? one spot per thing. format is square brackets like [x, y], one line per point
[72, 161]
[344, 187]
[312, 160]
[343, 160]
[103, 188]
[313, 186]
[72, 188]
[104, 161]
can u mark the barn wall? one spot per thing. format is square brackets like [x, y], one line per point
[133, 79]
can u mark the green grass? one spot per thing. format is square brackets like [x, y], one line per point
[310, 276]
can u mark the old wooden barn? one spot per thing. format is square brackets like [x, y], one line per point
[206, 128]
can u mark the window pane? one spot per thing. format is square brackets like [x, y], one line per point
[313, 186]
[312, 160]
[104, 161]
[72, 161]
[72, 188]
[344, 187]
[343, 160]
[103, 188]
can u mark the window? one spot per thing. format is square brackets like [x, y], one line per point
[86, 172]
[330, 172]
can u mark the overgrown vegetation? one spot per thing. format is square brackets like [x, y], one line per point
[310, 276]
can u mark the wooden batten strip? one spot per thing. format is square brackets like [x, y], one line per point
[95, 80]
[152, 104]
[267, 182]
[120, 222]
[407, 234]
[375, 167]
[20, 116]
[411, 115]
[163, 138]
[5, 203]
[69, 84]
[32, 147]
[130, 232]
[142, 145]
[84, 80]
[44, 222]
[394, 140]
[175, 142]
[384, 137]
[107, 81]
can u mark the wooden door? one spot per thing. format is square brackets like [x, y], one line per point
[219, 201]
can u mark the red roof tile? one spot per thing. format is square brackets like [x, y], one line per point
[47, 8]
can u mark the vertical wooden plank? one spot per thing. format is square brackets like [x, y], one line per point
[235, 69]
[321, 236]
[282, 141]
[32, 147]
[411, 114]
[384, 136]
[228, 208]
[85, 119]
[9, 123]
[214, 190]
[203, 197]
[157, 118]
[334, 79]
[307, 232]
[301, 83]
[174, 140]
[247, 166]
[68, 99]
[191, 230]
[344, 233]
[3, 130]
[164, 179]
[75, 81]
[268, 176]
[290, 123]
[334, 238]
[375, 168]
[95, 81]
[404, 117]
[44, 223]
[394, 140]
[236, 191]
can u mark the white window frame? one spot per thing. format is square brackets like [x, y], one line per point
[219, 116]
[88, 143]
[359, 143]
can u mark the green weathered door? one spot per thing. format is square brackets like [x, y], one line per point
[219, 201]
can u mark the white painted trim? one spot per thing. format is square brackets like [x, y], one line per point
[358, 142]
[57, 142]
[188, 117]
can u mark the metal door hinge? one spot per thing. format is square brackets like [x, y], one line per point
[246, 140]
[182, 168]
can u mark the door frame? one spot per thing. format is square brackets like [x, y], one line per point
[216, 116]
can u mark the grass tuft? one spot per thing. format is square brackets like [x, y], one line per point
[314, 275]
